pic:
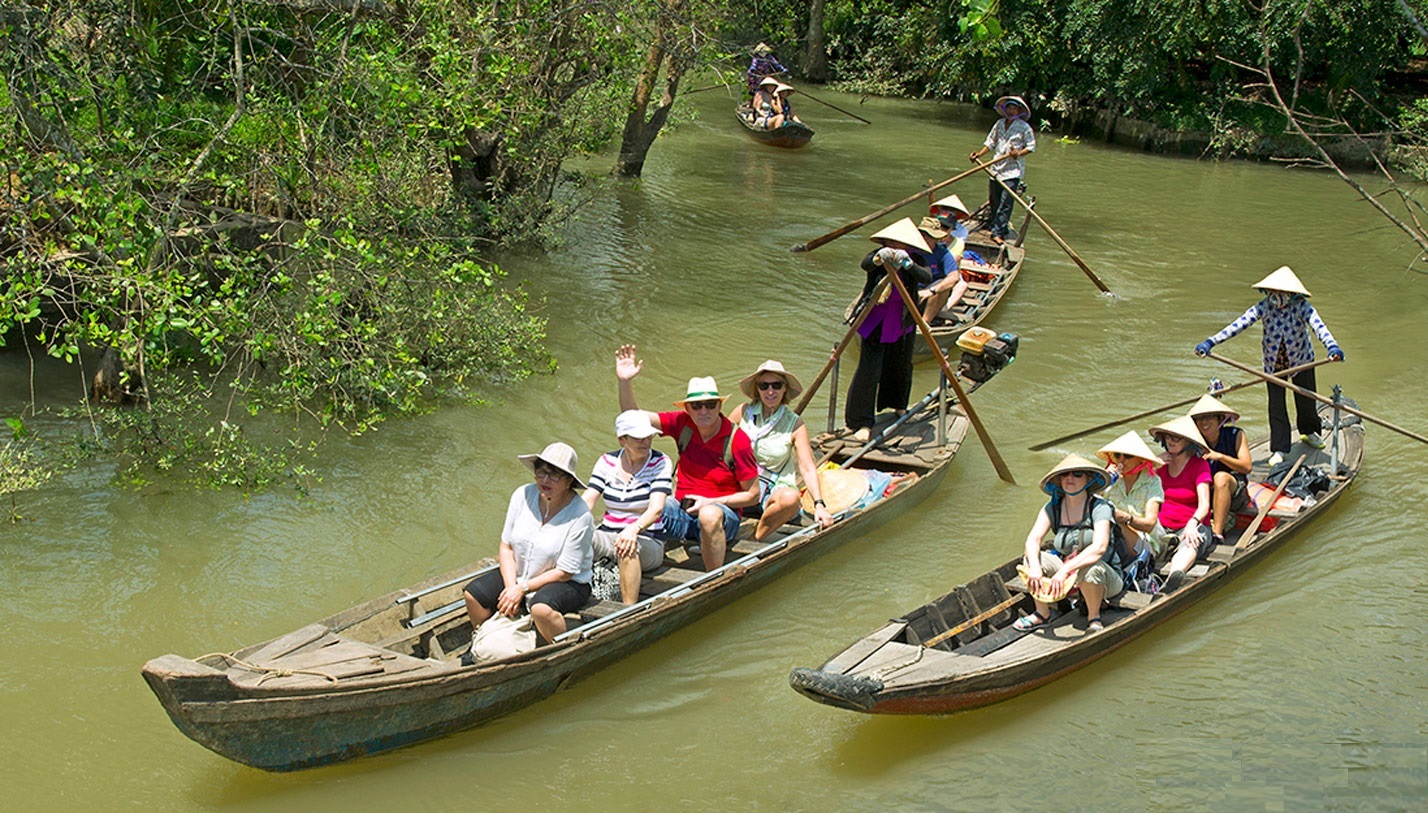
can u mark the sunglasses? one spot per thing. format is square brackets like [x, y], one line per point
[1080, 475]
[547, 473]
[698, 405]
[771, 385]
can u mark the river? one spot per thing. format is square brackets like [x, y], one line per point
[1299, 686]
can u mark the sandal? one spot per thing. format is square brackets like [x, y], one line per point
[1094, 624]
[1027, 623]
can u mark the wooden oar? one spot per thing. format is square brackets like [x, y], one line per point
[862, 221]
[911, 305]
[1005, 605]
[834, 106]
[1186, 402]
[842, 345]
[1291, 386]
[1070, 252]
[1248, 535]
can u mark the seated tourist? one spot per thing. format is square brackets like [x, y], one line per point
[1080, 522]
[784, 105]
[635, 481]
[1229, 458]
[767, 106]
[545, 551]
[1135, 491]
[780, 441]
[1185, 476]
[716, 474]
[945, 262]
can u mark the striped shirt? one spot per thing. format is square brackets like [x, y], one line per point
[626, 500]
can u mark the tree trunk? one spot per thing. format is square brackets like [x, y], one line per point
[815, 58]
[475, 166]
[640, 132]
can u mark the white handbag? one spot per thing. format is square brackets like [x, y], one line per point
[501, 636]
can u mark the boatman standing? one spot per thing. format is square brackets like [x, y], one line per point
[1288, 318]
[1010, 139]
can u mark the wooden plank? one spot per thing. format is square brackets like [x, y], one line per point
[1131, 600]
[287, 644]
[667, 578]
[849, 658]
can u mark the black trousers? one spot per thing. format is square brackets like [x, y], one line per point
[1306, 411]
[1001, 204]
[883, 380]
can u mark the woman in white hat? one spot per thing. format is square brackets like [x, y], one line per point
[1080, 522]
[784, 105]
[1185, 477]
[780, 441]
[1288, 317]
[766, 105]
[635, 480]
[1135, 491]
[883, 379]
[1009, 140]
[545, 550]
[1228, 454]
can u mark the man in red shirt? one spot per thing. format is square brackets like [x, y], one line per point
[716, 474]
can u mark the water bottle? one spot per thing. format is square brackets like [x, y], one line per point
[1215, 385]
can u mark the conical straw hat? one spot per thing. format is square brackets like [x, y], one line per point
[1182, 427]
[841, 489]
[950, 202]
[1283, 280]
[905, 232]
[1075, 462]
[1129, 444]
[1210, 405]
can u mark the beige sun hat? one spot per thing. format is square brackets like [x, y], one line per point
[1210, 405]
[841, 489]
[1182, 427]
[932, 227]
[769, 80]
[557, 454]
[950, 202]
[782, 88]
[763, 48]
[1016, 100]
[904, 232]
[1282, 280]
[1129, 444]
[700, 389]
[1075, 462]
[792, 387]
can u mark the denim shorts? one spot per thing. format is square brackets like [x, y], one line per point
[678, 524]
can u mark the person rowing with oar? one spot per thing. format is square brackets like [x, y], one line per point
[1288, 317]
[763, 65]
[1010, 139]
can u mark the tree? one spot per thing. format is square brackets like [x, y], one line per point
[815, 55]
[671, 54]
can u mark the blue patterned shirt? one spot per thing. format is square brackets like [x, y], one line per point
[1286, 332]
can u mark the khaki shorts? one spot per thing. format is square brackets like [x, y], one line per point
[1099, 573]
[651, 549]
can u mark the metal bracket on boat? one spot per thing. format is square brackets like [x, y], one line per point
[445, 609]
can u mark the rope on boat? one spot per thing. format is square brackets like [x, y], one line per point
[882, 673]
[268, 671]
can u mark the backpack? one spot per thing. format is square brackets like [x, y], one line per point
[687, 434]
[1120, 553]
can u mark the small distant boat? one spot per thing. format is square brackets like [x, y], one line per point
[791, 135]
[960, 651]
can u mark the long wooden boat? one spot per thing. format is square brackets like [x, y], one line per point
[960, 651]
[791, 135]
[386, 673]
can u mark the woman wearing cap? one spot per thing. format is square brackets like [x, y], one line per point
[945, 263]
[635, 480]
[1135, 491]
[1186, 480]
[545, 551]
[1288, 317]
[780, 441]
[883, 379]
[1081, 546]
[1009, 140]
[1228, 454]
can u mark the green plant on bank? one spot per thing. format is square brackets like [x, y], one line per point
[20, 468]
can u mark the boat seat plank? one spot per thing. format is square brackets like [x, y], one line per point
[599, 609]
[853, 655]
[313, 635]
[662, 580]
[1130, 600]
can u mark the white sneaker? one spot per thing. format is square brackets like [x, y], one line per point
[1275, 459]
[1312, 441]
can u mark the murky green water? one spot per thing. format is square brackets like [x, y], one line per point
[1298, 687]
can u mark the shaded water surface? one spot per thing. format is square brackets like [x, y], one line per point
[1299, 686]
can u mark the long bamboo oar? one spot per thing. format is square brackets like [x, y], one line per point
[835, 107]
[1070, 252]
[842, 345]
[911, 305]
[1186, 402]
[1291, 386]
[862, 221]
[1248, 535]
